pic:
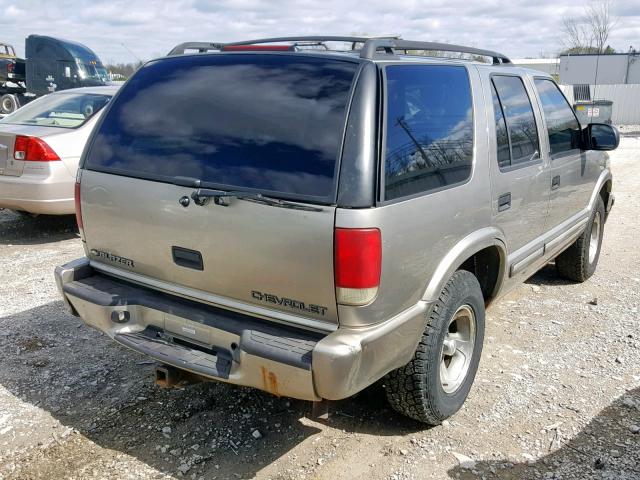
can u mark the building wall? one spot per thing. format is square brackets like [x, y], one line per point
[600, 69]
[550, 66]
[625, 98]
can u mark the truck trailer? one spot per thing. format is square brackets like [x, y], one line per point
[51, 64]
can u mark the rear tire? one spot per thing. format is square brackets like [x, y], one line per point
[436, 382]
[579, 261]
[8, 103]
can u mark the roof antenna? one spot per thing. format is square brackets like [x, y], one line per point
[595, 83]
[131, 52]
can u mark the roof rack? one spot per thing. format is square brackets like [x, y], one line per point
[371, 47]
[369, 50]
[203, 47]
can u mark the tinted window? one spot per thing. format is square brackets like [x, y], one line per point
[502, 137]
[272, 123]
[518, 113]
[562, 126]
[429, 142]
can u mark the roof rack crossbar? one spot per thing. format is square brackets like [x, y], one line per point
[371, 47]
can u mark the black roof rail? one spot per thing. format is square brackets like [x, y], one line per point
[207, 46]
[315, 38]
[200, 46]
[371, 47]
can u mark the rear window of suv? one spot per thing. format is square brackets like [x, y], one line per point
[270, 123]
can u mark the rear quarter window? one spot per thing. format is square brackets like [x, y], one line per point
[271, 123]
[429, 129]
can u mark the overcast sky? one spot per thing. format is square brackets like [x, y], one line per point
[148, 28]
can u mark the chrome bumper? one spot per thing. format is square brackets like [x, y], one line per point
[237, 348]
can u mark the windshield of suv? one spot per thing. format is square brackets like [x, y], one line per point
[66, 110]
[270, 123]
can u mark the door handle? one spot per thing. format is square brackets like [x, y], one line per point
[187, 258]
[504, 201]
[555, 182]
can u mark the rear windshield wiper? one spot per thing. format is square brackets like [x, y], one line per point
[223, 198]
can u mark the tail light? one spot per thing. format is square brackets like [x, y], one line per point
[358, 262]
[11, 67]
[76, 197]
[33, 149]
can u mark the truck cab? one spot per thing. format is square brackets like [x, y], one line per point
[51, 64]
[56, 64]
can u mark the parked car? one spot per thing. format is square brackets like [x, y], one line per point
[40, 147]
[310, 222]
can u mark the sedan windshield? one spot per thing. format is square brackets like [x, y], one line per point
[66, 110]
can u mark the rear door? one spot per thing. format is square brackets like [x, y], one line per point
[258, 123]
[519, 175]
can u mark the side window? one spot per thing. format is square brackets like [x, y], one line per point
[562, 126]
[520, 121]
[502, 137]
[429, 131]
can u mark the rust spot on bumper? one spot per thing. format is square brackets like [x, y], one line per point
[269, 381]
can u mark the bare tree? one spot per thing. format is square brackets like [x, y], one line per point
[600, 23]
[577, 37]
[590, 33]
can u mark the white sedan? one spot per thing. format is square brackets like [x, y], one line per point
[40, 148]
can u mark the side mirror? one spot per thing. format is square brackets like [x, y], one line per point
[600, 136]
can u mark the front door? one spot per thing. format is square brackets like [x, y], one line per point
[572, 174]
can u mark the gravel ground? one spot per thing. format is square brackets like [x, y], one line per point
[557, 394]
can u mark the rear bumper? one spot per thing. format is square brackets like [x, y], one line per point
[49, 195]
[237, 348]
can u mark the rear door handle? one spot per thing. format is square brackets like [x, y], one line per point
[187, 258]
[555, 182]
[504, 201]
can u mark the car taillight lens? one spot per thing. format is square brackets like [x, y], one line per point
[76, 196]
[11, 67]
[358, 262]
[33, 149]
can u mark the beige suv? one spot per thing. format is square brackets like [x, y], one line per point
[308, 220]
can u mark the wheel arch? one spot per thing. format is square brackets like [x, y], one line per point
[602, 188]
[483, 253]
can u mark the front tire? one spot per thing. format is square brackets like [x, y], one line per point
[579, 261]
[436, 382]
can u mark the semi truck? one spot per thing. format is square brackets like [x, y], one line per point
[51, 64]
